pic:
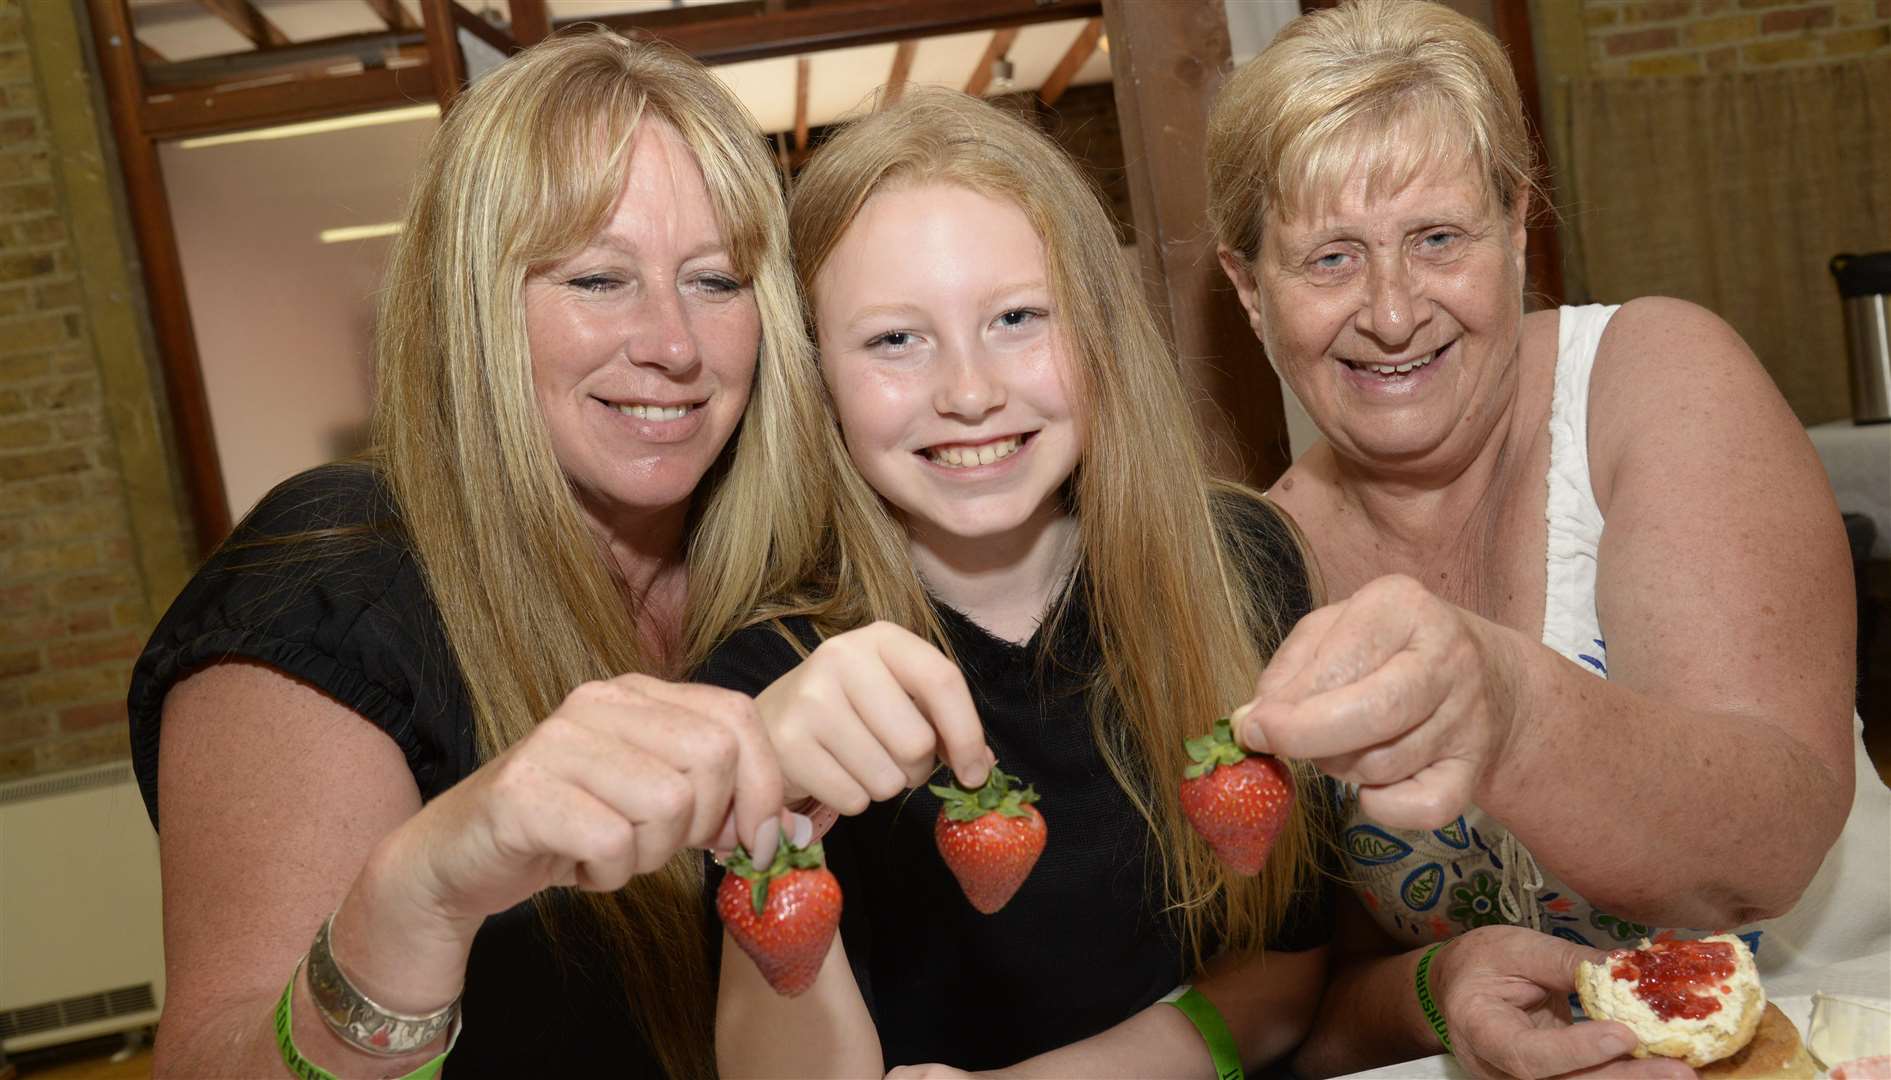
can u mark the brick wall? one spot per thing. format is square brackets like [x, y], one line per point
[1690, 37]
[74, 608]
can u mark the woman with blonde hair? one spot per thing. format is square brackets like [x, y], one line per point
[1592, 638]
[414, 710]
[1020, 495]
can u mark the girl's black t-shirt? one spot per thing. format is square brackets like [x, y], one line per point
[346, 610]
[1084, 944]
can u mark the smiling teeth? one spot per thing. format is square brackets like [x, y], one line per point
[964, 457]
[654, 412]
[1398, 369]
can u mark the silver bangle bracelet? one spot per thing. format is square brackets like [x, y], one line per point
[357, 1019]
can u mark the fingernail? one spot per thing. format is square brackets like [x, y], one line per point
[1240, 713]
[767, 838]
[1616, 1044]
[1252, 737]
[801, 829]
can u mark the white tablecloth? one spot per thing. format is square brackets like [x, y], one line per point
[1857, 458]
[1868, 976]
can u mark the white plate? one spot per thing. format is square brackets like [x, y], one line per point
[1797, 1007]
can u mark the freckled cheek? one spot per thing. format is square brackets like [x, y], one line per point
[729, 340]
[567, 352]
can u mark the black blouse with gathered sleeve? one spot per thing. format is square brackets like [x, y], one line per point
[320, 583]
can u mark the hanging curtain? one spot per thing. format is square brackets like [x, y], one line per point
[1734, 191]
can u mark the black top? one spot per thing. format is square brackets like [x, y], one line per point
[352, 617]
[1083, 945]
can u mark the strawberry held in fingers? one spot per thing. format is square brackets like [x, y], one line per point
[783, 916]
[990, 838]
[1237, 800]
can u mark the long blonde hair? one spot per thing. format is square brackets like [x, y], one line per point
[524, 170]
[1182, 633]
[1327, 95]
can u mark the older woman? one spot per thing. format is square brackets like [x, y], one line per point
[1590, 659]
[415, 694]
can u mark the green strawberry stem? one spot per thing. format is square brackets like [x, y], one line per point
[995, 795]
[1212, 750]
[788, 859]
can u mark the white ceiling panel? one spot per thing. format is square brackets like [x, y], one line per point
[766, 87]
[303, 21]
[589, 9]
[948, 60]
[1039, 48]
[843, 81]
[1094, 70]
[190, 37]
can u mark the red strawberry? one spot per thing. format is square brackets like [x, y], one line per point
[785, 916]
[990, 838]
[1238, 801]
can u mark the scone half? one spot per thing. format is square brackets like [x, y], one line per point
[1698, 1001]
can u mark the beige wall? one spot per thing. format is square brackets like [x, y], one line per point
[92, 541]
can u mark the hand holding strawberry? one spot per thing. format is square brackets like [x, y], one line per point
[784, 916]
[1237, 800]
[990, 838]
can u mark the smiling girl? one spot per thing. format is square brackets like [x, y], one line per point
[1029, 565]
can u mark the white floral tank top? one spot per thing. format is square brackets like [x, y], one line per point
[1428, 886]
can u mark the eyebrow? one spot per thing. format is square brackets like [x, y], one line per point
[1016, 287]
[902, 309]
[609, 245]
[1462, 217]
[878, 311]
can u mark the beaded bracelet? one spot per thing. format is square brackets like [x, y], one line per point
[1425, 1002]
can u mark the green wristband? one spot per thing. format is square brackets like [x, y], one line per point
[1425, 1001]
[1207, 1019]
[308, 1070]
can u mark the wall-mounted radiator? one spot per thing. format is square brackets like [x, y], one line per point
[81, 939]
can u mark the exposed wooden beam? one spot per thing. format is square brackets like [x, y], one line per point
[747, 30]
[1074, 58]
[394, 14]
[531, 23]
[803, 70]
[471, 22]
[163, 274]
[371, 50]
[995, 51]
[214, 112]
[444, 59]
[246, 20]
[902, 69]
[1168, 60]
